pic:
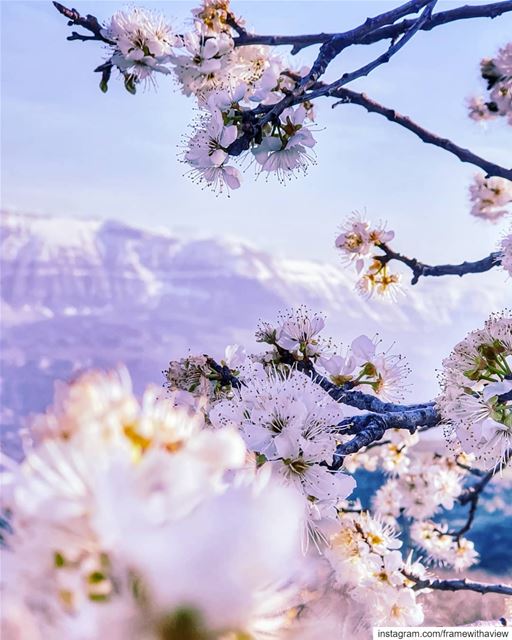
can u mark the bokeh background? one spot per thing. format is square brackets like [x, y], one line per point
[111, 254]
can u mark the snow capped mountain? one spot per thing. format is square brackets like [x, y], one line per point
[82, 292]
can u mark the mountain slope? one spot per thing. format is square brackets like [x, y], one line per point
[81, 293]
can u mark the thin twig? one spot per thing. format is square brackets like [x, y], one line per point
[461, 585]
[464, 155]
[420, 269]
[90, 23]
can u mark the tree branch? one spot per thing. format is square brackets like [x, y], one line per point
[327, 90]
[466, 12]
[299, 42]
[326, 55]
[353, 398]
[464, 155]
[461, 585]
[409, 419]
[335, 45]
[90, 23]
[370, 428]
[420, 269]
[469, 520]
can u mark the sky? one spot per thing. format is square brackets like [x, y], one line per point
[68, 149]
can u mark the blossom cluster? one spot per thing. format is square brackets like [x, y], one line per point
[476, 398]
[497, 72]
[228, 83]
[139, 519]
[287, 420]
[130, 519]
[142, 44]
[366, 559]
[491, 198]
[428, 485]
[357, 243]
[283, 148]
[363, 366]
[193, 381]
[215, 509]
[443, 547]
[420, 487]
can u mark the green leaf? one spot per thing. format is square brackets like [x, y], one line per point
[129, 85]
[59, 560]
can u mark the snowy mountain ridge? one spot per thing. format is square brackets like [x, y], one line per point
[84, 292]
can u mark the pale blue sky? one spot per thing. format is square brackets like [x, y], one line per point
[69, 149]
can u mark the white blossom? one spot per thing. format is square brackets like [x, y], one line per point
[143, 41]
[478, 110]
[204, 62]
[288, 420]
[505, 249]
[490, 197]
[375, 372]
[287, 150]
[208, 154]
[298, 332]
[477, 414]
[358, 238]
[503, 61]
[117, 533]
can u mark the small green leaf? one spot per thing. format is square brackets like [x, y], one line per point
[129, 84]
[59, 560]
[97, 576]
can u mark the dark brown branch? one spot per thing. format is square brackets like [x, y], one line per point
[333, 47]
[235, 25]
[299, 42]
[329, 89]
[461, 585]
[472, 470]
[90, 23]
[469, 520]
[420, 269]
[466, 12]
[464, 155]
[328, 53]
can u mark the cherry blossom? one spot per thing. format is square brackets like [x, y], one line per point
[474, 401]
[143, 42]
[285, 149]
[506, 253]
[490, 197]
